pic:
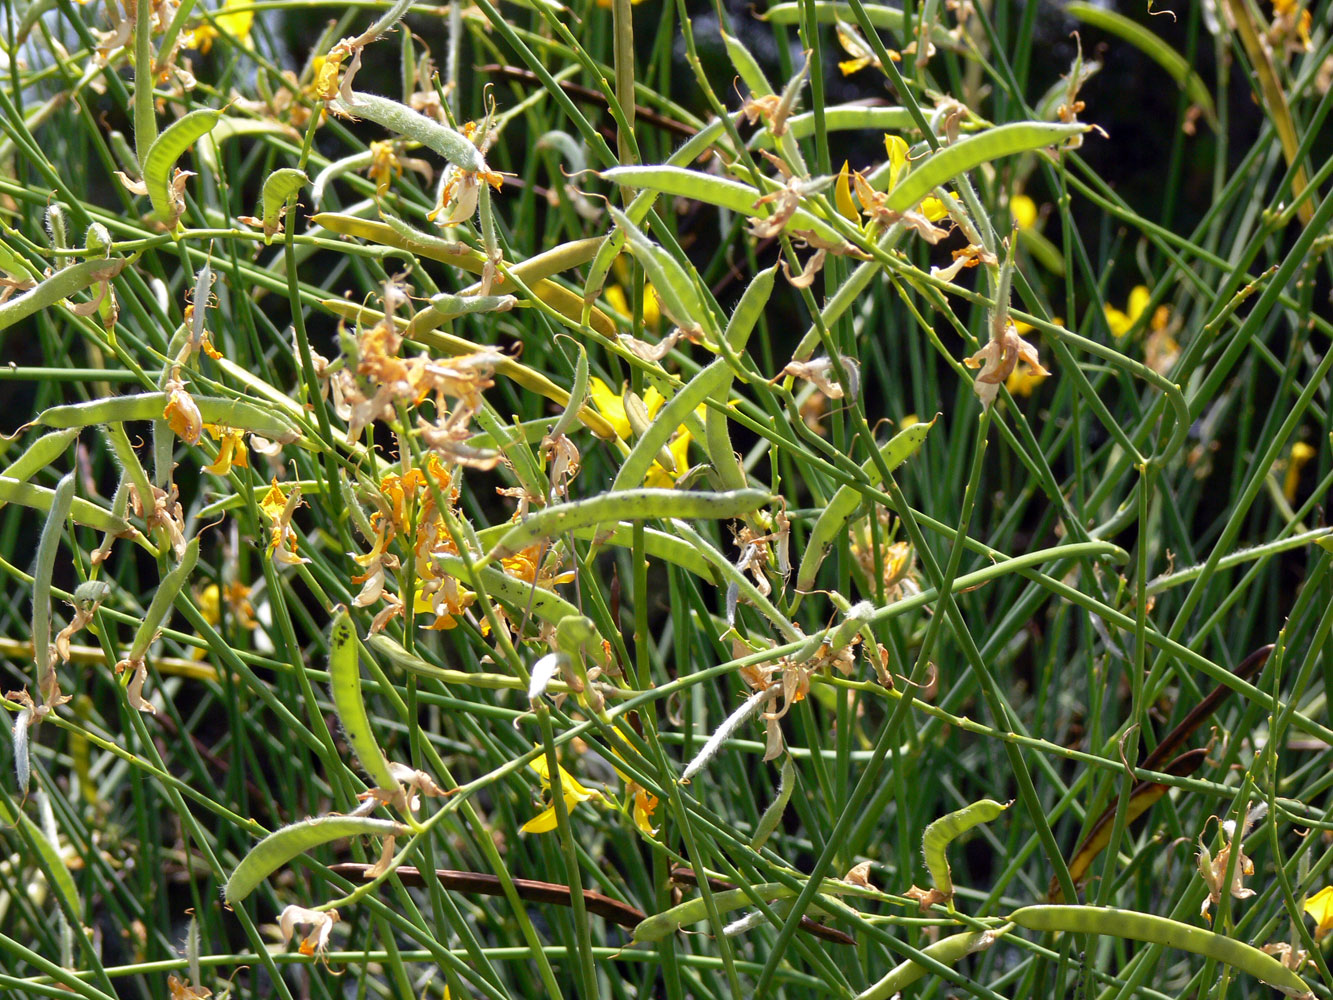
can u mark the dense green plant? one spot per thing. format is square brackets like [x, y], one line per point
[583, 448]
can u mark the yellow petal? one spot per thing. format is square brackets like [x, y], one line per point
[1138, 301]
[1024, 211]
[1320, 906]
[897, 149]
[842, 195]
[543, 822]
[274, 502]
[611, 406]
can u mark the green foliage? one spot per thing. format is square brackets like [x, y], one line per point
[577, 517]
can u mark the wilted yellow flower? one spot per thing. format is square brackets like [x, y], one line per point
[181, 413]
[572, 792]
[231, 452]
[1320, 906]
[279, 508]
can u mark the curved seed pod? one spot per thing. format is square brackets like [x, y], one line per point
[1153, 929]
[41, 498]
[60, 285]
[454, 146]
[350, 704]
[162, 155]
[610, 508]
[49, 857]
[717, 435]
[772, 816]
[666, 923]
[518, 595]
[879, 15]
[166, 592]
[533, 272]
[41, 585]
[668, 420]
[679, 298]
[281, 846]
[947, 952]
[280, 187]
[41, 453]
[968, 153]
[747, 67]
[241, 414]
[844, 118]
[718, 191]
[830, 524]
[935, 841]
[578, 396]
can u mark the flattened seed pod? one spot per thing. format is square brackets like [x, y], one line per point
[1135, 926]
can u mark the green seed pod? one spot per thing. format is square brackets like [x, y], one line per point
[609, 508]
[60, 285]
[349, 703]
[830, 524]
[281, 846]
[653, 440]
[163, 154]
[280, 187]
[939, 834]
[970, 152]
[948, 951]
[1153, 929]
[454, 146]
[41, 453]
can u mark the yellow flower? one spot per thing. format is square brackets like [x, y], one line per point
[612, 406]
[842, 195]
[662, 478]
[1320, 906]
[572, 792]
[1301, 453]
[236, 24]
[896, 146]
[181, 413]
[1024, 211]
[231, 452]
[652, 308]
[1121, 322]
[278, 507]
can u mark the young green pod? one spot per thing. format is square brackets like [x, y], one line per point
[280, 187]
[654, 440]
[948, 951]
[453, 145]
[163, 597]
[664, 924]
[241, 414]
[350, 704]
[719, 191]
[830, 523]
[772, 816]
[1134, 926]
[281, 846]
[675, 291]
[610, 508]
[163, 154]
[41, 498]
[943, 165]
[47, 547]
[48, 855]
[939, 834]
[61, 285]
[41, 453]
